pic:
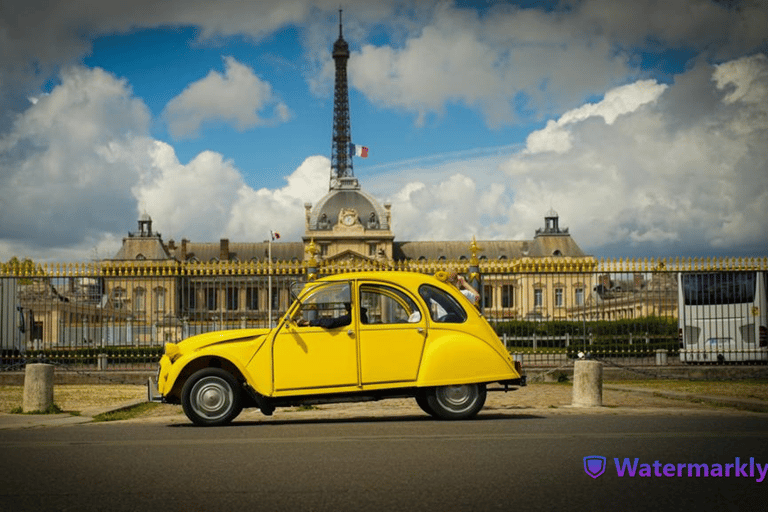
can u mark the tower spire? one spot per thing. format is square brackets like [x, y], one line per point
[342, 174]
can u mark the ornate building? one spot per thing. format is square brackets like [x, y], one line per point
[349, 228]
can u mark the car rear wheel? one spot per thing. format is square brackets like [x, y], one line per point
[421, 400]
[456, 402]
[211, 397]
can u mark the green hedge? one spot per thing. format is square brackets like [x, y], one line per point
[90, 355]
[635, 337]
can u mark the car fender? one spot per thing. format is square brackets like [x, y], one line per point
[458, 358]
[235, 357]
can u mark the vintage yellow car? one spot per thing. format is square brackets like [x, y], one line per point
[348, 337]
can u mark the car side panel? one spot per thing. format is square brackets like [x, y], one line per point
[312, 357]
[390, 352]
[452, 357]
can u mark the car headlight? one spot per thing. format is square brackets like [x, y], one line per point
[172, 351]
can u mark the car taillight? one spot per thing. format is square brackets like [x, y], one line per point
[763, 336]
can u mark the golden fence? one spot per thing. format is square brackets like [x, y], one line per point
[526, 265]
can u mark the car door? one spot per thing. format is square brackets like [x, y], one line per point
[391, 334]
[313, 357]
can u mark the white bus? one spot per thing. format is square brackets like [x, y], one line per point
[722, 316]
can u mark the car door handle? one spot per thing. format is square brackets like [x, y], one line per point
[420, 330]
[351, 333]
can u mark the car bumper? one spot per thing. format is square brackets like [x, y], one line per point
[514, 382]
[152, 393]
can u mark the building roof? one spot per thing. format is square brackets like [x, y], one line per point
[325, 214]
[208, 251]
[489, 249]
[142, 248]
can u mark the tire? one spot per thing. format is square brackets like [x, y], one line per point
[421, 400]
[211, 397]
[456, 402]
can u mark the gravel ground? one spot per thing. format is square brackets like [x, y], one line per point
[550, 396]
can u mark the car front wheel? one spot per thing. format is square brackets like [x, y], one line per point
[211, 397]
[456, 402]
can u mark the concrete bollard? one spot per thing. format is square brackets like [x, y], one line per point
[661, 357]
[38, 388]
[587, 384]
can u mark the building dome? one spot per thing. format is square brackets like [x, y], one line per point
[325, 214]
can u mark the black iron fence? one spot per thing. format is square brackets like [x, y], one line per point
[547, 312]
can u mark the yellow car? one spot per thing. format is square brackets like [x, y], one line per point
[348, 337]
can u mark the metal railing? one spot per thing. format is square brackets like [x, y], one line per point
[548, 311]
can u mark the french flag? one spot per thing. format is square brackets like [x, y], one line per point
[361, 151]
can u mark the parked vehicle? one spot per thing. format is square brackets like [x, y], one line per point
[723, 317]
[348, 337]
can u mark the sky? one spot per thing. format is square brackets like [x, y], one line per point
[643, 124]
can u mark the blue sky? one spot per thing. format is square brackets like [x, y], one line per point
[643, 124]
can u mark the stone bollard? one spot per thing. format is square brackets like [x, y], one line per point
[587, 384]
[101, 362]
[661, 357]
[38, 388]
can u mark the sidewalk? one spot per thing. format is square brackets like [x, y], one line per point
[12, 421]
[539, 399]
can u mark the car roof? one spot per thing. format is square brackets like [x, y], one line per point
[400, 277]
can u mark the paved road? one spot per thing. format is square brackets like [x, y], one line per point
[497, 462]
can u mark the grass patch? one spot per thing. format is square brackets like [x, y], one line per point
[128, 413]
[52, 409]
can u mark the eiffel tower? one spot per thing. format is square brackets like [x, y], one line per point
[342, 174]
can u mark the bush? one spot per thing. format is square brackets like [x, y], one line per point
[90, 355]
[639, 337]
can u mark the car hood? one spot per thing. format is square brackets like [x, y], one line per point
[215, 338]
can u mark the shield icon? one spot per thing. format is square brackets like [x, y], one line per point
[594, 465]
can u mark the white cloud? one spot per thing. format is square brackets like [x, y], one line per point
[650, 180]
[237, 96]
[78, 168]
[207, 198]
[496, 64]
[61, 184]
[616, 102]
[646, 168]
[650, 170]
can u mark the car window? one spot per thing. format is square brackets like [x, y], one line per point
[442, 307]
[325, 301]
[381, 304]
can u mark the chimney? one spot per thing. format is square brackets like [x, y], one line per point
[183, 255]
[224, 249]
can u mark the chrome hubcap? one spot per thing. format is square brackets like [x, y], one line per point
[211, 397]
[457, 398]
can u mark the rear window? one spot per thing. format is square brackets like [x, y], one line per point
[700, 289]
[442, 306]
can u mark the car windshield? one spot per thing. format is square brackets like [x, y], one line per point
[442, 306]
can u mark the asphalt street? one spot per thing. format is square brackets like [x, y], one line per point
[496, 462]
